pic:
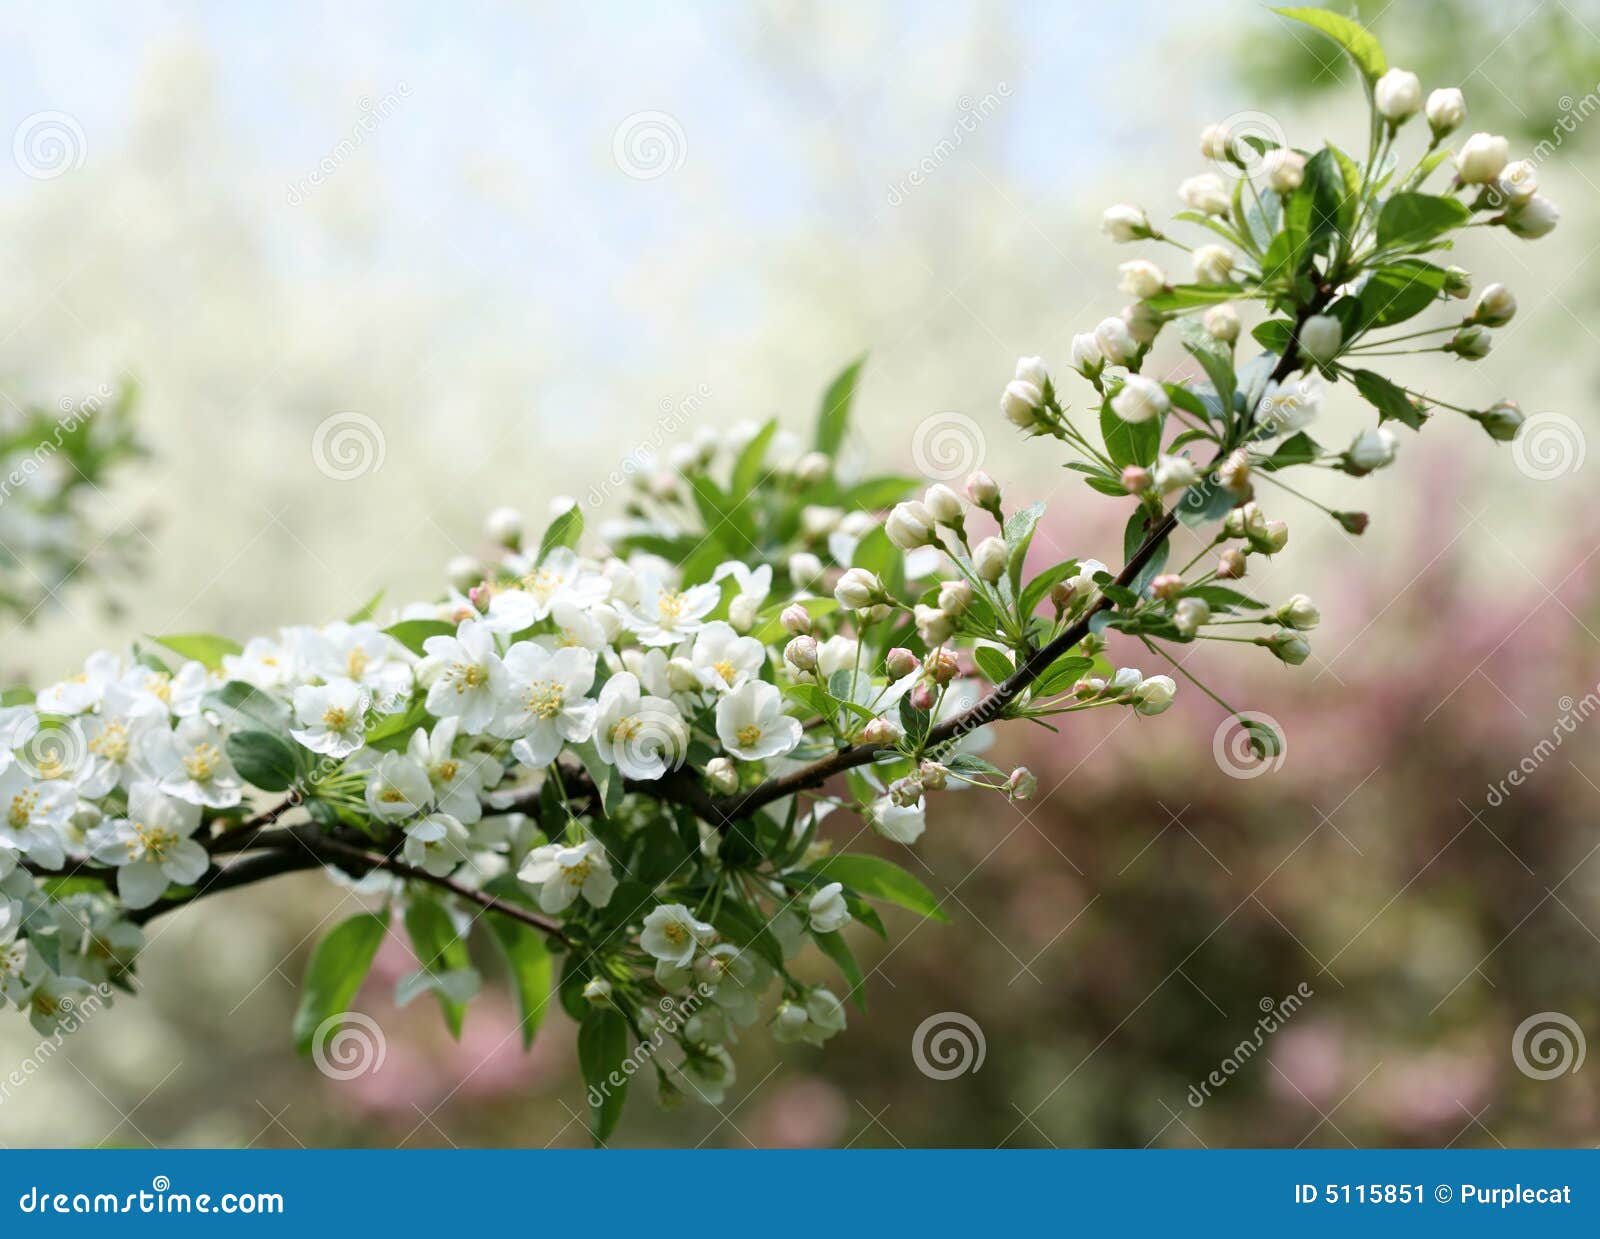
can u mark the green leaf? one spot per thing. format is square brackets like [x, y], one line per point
[769, 624]
[439, 950]
[835, 948]
[880, 879]
[338, 966]
[1415, 219]
[1061, 675]
[602, 1048]
[527, 958]
[607, 778]
[1220, 597]
[747, 470]
[995, 666]
[875, 493]
[1218, 366]
[565, 530]
[1129, 443]
[1041, 585]
[243, 706]
[1391, 402]
[1356, 39]
[833, 418]
[1188, 296]
[367, 609]
[1019, 530]
[883, 558]
[1274, 334]
[1298, 449]
[394, 730]
[263, 759]
[204, 647]
[413, 633]
[741, 927]
[1399, 291]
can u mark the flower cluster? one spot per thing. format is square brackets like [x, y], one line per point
[618, 754]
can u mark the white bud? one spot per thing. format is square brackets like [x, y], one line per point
[1018, 402]
[795, 619]
[1221, 322]
[1534, 218]
[1519, 181]
[804, 569]
[801, 653]
[989, 558]
[1087, 359]
[1213, 264]
[743, 611]
[982, 489]
[1288, 646]
[1496, 306]
[1125, 222]
[597, 993]
[944, 504]
[1398, 95]
[1285, 169]
[1320, 338]
[1446, 109]
[818, 521]
[1021, 784]
[1144, 321]
[1116, 342]
[1206, 193]
[1139, 399]
[504, 525]
[1216, 142]
[858, 589]
[933, 625]
[882, 731]
[1032, 370]
[1155, 694]
[1481, 158]
[1471, 342]
[722, 776]
[1300, 613]
[955, 597]
[682, 675]
[812, 468]
[1371, 449]
[910, 525]
[1174, 473]
[1141, 278]
[1188, 614]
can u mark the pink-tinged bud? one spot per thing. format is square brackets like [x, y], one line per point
[900, 662]
[1230, 564]
[479, 596]
[1166, 585]
[923, 697]
[880, 731]
[933, 775]
[941, 666]
[1352, 522]
[796, 619]
[1061, 596]
[1088, 690]
[1136, 479]
[1233, 474]
[1022, 784]
[983, 490]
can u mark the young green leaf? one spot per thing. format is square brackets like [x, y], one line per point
[337, 967]
[602, 1047]
[880, 879]
[439, 951]
[833, 418]
[204, 647]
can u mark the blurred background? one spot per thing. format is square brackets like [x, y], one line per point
[376, 269]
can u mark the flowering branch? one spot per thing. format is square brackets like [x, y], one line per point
[624, 760]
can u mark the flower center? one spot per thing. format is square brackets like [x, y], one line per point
[446, 770]
[21, 812]
[160, 685]
[748, 735]
[112, 743]
[467, 675]
[153, 841]
[670, 608]
[578, 874]
[358, 662]
[546, 699]
[725, 669]
[675, 933]
[202, 761]
[625, 728]
[335, 718]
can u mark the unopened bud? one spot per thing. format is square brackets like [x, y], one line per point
[989, 558]
[1166, 585]
[941, 666]
[804, 569]
[1022, 784]
[923, 697]
[983, 490]
[504, 525]
[812, 468]
[881, 731]
[944, 504]
[933, 776]
[795, 619]
[900, 662]
[1136, 479]
[801, 653]
[722, 775]
[1230, 564]
[597, 993]
[906, 792]
[464, 572]
[955, 597]
[1288, 646]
